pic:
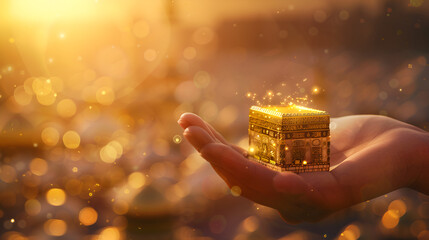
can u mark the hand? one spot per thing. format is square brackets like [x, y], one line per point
[370, 156]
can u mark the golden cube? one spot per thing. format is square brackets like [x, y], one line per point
[289, 138]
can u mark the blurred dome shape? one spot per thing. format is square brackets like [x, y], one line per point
[151, 202]
[151, 209]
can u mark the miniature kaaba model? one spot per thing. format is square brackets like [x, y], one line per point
[289, 138]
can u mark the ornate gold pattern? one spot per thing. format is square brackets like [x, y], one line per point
[289, 138]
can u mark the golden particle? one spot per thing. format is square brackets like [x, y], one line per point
[177, 139]
[105, 95]
[236, 191]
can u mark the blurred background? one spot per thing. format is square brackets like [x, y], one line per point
[90, 92]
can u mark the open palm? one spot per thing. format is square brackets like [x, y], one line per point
[370, 156]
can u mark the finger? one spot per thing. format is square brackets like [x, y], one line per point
[216, 133]
[198, 137]
[239, 150]
[290, 184]
[256, 182]
[250, 176]
[190, 119]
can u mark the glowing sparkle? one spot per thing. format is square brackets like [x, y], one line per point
[12, 220]
[177, 139]
[236, 191]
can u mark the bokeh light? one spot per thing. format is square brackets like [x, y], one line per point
[66, 108]
[110, 233]
[55, 227]
[88, 216]
[50, 136]
[390, 219]
[38, 166]
[32, 207]
[71, 139]
[90, 93]
[136, 180]
[56, 196]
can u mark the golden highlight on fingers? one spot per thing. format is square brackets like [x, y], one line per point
[198, 137]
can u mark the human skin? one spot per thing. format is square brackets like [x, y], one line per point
[370, 156]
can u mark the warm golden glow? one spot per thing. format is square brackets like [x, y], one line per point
[390, 219]
[110, 233]
[21, 96]
[66, 108]
[251, 224]
[304, 162]
[55, 227]
[398, 206]
[71, 139]
[105, 95]
[136, 180]
[38, 166]
[353, 229]
[50, 136]
[120, 207]
[278, 111]
[112, 151]
[177, 139]
[236, 191]
[32, 207]
[45, 10]
[88, 216]
[8, 174]
[56, 196]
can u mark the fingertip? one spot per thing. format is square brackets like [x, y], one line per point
[220, 154]
[182, 120]
[187, 119]
[198, 137]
